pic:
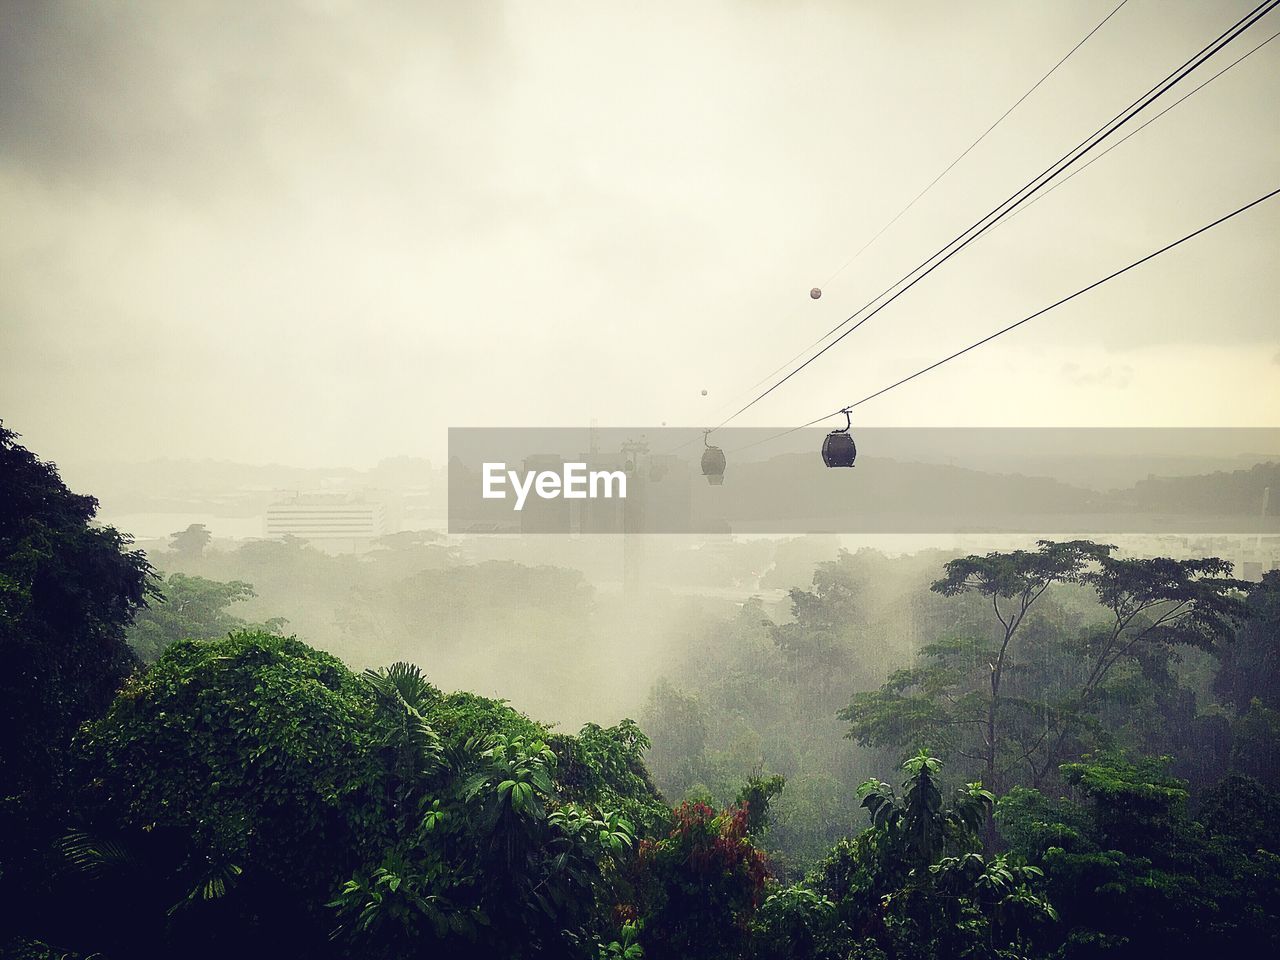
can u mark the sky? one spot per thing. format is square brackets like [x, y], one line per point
[322, 232]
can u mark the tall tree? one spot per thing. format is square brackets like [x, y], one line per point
[190, 543]
[964, 696]
[1018, 578]
[1013, 582]
[1153, 604]
[68, 589]
[819, 645]
[677, 723]
[1250, 667]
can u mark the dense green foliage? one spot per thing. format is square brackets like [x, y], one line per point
[1134, 874]
[237, 761]
[67, 591]
[916, 885]
[254, 770]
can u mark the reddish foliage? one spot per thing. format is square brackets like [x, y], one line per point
[698, 887]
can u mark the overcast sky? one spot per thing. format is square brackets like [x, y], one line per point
[323, 232]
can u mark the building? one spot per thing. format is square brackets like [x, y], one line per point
[326, 517]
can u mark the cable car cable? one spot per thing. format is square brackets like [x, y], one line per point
[911, 203]
[1034, 198]
[932, 183]
[1020, 196]
[1145, 124]
[1240, 59]
[1062, 164]
[1067, 299]
[1013, 326]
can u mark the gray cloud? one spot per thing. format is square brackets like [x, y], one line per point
[325, 230]
[163, 94]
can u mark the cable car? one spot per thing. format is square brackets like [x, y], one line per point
[838, 449]
[713, 462]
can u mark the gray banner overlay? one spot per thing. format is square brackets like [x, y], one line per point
[904, 480]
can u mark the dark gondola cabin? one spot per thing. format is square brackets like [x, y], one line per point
[838, 449]
[713, 465]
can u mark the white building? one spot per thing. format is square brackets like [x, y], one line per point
[326, 517]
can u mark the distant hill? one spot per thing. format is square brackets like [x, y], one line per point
[1239, 492]
[891, 495]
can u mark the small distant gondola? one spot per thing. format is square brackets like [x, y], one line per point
[713, 462]
[838, 449]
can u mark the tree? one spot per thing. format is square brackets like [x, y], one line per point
[190, 608]
[1134, 875]
[1021, 702]
[1248, 678]
[190, 543]
[1155, 604]
[1255, 747]
[799, 923]
[913, 885]
[250, 794]
[960, 697]
[819, 644]
[678, 726]
[248, 758]
[1250, 666]
[697, 889]
[68, 589]
[1019, 578]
